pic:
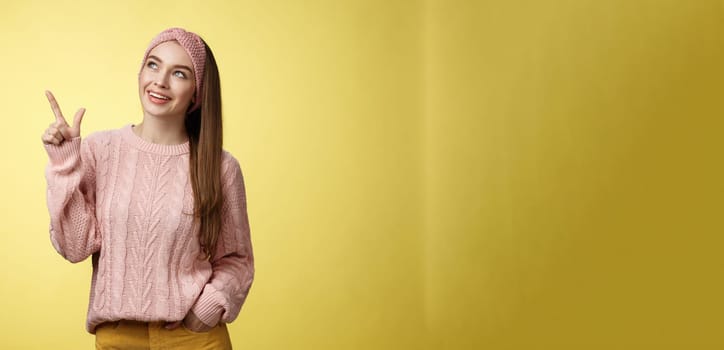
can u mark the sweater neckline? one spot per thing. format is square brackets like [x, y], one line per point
[157, 148]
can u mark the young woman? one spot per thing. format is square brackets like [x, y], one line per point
[159, 206]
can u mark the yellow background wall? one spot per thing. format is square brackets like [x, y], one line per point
[573, 157]
[420, 174]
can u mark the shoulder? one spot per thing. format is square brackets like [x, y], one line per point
[230, 169]
[100, 137]
[229, 164]
[96, 143]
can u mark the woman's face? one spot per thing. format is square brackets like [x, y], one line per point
[166, 83]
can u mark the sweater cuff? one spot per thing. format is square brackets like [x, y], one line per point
[208, 307]
[67, 151]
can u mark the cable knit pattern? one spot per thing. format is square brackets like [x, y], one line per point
[128, 203]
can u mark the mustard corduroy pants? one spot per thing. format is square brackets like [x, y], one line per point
[135, 335]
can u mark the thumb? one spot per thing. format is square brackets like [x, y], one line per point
[78, 118]
[173, 325]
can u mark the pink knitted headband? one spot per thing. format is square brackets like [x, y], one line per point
[195, 48]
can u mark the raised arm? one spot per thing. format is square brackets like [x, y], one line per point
[70, 176]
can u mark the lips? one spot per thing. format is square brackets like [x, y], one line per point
[157, 98]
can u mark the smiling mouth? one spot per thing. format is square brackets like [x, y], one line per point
[158, 96]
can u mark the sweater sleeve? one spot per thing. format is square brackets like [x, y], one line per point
[71, 199]
[233, 265]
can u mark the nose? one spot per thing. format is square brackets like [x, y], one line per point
[160, 82]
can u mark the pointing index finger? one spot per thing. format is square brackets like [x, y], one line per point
[55, 107]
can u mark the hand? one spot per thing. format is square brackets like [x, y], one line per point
[192, 322]
[60, 131]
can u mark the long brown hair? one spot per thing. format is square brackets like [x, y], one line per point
[204, 130]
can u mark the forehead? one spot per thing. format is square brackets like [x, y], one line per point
[171, 53]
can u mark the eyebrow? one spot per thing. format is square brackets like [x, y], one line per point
[176, 66]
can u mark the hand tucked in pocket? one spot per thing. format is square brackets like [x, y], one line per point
[191, 322]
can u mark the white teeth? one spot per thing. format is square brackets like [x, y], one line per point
[158, 96]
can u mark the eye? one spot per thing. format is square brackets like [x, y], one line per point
[151, 64]
[180, 74]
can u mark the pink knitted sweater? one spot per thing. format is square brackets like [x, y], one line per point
[124, 201]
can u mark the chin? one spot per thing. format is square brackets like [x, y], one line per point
[158, 112]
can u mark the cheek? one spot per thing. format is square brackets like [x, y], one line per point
[143, 80]
[187, 91]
